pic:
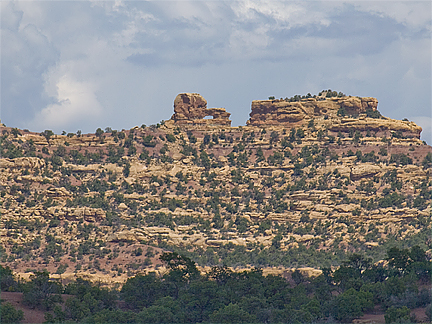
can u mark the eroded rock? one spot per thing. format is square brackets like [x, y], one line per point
[23, 162]
[191, 108]
[364, 170]
[274, 112]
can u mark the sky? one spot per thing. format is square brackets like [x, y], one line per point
[81, 65]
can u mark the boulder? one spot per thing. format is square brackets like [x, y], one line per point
[23, 163]
[309, 272]
[122, 206]
[364, 170]
[126, 236]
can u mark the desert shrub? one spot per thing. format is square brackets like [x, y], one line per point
[427, 161]
[373, 113]
[398, 315]
[170, 138]
[7, 279]
[148, 141]
[401, 158]
[9, 314]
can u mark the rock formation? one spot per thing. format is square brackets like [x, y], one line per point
[331, 111]
[273, 112]
[341, 179]
[191, 108]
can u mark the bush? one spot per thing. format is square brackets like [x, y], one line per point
[427, 161]
[341, 112]
[373, 113]
[401, 158]
[156, 314]
[141, 291]
[7, 279]
[397, 315]
[170, 138]
[8, 314]
[148, 141]
[351, 304]
[232, 314]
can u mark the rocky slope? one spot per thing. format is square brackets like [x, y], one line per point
[307, 179]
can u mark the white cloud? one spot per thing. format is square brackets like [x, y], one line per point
[76, 101]
[285, 14]
[413, 14]
[122, 63]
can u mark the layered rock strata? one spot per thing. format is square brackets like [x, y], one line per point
[283, 112]
[277, 111]
[191, 108]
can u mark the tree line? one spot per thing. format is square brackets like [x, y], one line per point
[185, 295]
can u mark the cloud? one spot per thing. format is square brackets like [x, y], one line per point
[90, 64]
[10, 16]
[26, 54]
[76, 102]
[413, 14]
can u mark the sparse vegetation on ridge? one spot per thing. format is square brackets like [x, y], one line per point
[302, 194]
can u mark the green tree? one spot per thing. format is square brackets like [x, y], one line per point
[398, 259]
[7, 279]
[170, 138]
[182, 268]
[99, 132]
[341, 111]
[427, 161]
[347, 277]
[156, 314]
[8, 314]
[112, 316]
[373, 113]
[141, 291]
[41, 291]
[397, 315]
[88, 299]
[205, 160]
[274, 137]
[297, 277]
[351, 304]
[47, 134]
[15, 132]
[358, 261]
[76, 309]
[202, 298]
[232, 313]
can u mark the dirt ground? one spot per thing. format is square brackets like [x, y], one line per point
[30, 315]
[37, 316]
[378, 317]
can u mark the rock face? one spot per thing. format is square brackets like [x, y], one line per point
[364, 171]
[350, 176]
[284, 112]
[385, 126]
[191, 108]
[272, 112]
[23, 163]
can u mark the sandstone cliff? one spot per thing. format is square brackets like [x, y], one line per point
[279, 184]
[329, 111]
